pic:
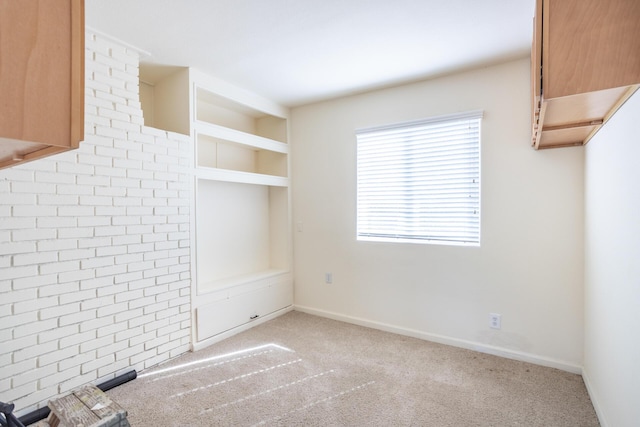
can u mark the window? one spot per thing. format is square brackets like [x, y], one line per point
[420, 181]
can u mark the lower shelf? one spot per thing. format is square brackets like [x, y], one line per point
[574, 120]
[222, 284]
[14, 152]
[236, 310]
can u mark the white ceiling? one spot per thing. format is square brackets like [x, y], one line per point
[299, 51]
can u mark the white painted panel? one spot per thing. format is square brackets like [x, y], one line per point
[232, 230]
[280, 226]
[612, 268]
[237, 310]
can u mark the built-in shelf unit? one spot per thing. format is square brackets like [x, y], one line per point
[241, 265]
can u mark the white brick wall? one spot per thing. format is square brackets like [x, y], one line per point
[94, 246]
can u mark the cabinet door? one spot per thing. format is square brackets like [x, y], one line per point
[590, 45]
[41, 76]
[220, 316]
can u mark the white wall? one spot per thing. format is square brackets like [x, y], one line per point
[612, 268]
[94, 246]
[529, 267]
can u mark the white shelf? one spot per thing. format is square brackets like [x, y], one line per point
[223, 111]
[215, 91]
[218, 147]
[230, 282]
[239, 137]
[214, 174]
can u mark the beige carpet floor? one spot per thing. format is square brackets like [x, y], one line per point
[303, 370]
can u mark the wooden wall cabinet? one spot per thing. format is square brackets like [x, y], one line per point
[585, 64]
[41, 78]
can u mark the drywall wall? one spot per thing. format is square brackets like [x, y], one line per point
[612, 268]
[94, 246]
[529, 267]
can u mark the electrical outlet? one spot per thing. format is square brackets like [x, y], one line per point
[328, 278]
[495, 320]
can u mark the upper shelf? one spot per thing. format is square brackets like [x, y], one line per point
[181, 99]
[215, 109]
[240, 137]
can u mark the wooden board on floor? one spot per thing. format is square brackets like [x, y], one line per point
[89, 407]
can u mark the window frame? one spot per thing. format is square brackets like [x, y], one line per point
[404, 134]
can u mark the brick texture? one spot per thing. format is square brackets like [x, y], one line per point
[94, 246]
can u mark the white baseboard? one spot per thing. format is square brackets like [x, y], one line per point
[231, 332]
[470, 345]
[594, 398]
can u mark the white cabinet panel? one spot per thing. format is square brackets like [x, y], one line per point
[236, 310]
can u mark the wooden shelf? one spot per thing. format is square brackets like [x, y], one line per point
[14, 152]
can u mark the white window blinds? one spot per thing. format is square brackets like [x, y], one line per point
[420, 181]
